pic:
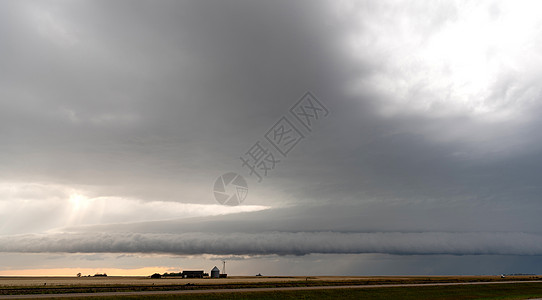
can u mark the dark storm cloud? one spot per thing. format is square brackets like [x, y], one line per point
[149, 101]
[280, 243]
[154, 100]
[136, 92]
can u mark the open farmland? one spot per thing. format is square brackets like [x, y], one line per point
[50, 282]
[145, 285]
[249, 280]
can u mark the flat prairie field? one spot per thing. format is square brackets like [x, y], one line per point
[248, 280]
[275, 287]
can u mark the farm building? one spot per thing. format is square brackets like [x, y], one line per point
[215, 273]
[192, 274]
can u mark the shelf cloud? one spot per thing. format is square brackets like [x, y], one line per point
[282, 243]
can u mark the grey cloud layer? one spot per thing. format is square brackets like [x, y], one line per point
[153, 100]
[370, 217]
[300, 243]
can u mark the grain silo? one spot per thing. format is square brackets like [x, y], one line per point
[215, 272]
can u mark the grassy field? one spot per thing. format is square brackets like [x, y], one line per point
[62, 285]
[504, 291]
[250, 280]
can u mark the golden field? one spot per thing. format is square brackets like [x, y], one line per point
[142, 281]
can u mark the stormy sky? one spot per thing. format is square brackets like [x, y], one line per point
[422, 155]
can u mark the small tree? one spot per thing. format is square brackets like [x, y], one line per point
[78, 274]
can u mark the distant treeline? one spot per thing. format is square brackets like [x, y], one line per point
[172, 274]
[95, 275]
